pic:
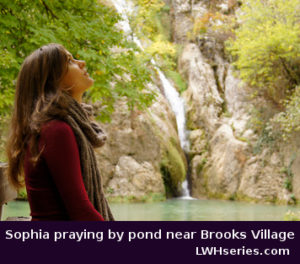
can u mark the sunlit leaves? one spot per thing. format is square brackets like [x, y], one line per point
[289, 120]
[266, 52]
[266, 45]
[87, 29]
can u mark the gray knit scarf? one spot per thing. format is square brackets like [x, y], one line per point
[89, 136]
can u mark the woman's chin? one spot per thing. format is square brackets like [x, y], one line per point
[90, 82]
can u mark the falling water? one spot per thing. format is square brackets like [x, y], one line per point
[176, 102]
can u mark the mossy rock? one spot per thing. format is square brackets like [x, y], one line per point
[190, 119]
[266, 200]
[292, 216]
[173, 170]
[173, 164]
[178, 81]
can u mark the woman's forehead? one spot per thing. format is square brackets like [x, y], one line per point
[68, 54]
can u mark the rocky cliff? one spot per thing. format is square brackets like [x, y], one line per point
[227, 158]
[218, 107]
[142, 157]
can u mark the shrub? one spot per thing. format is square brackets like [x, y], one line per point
[266, 46]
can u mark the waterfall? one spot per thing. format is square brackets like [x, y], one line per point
[176, 102]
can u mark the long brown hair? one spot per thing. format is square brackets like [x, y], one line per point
[38, 99]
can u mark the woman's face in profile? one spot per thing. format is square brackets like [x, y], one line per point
[76, 80]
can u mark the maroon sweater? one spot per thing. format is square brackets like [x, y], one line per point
[55, 186]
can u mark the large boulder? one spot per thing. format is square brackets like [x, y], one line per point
[220, 175]
[149, 140]
[263, 180]
[133, 179]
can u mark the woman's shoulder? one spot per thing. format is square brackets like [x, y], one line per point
[55, 127]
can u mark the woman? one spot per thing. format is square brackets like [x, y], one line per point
[52, 139]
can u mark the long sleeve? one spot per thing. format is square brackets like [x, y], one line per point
[62, 158]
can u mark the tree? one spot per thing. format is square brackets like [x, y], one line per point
[87, 29]
[151, 22]
[266, 46]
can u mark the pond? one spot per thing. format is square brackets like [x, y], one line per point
[181, 210]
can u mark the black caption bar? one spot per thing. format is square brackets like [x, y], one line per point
[148, 242]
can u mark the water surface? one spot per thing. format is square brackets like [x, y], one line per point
[181, 210]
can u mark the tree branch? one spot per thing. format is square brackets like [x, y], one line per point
[48, 10]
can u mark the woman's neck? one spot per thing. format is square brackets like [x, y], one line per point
[77, 97]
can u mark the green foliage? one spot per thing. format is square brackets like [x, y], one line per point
[289, 120]
[145, 20]
[165, 50]
[292, 216]
[4, 120]
[266, 46]
[268, 138]
[256, 122]
[22, 194]
[180, 84]
[151, 22]
[214, 24]
[288, 183]
[201, 165]
[87, 29]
